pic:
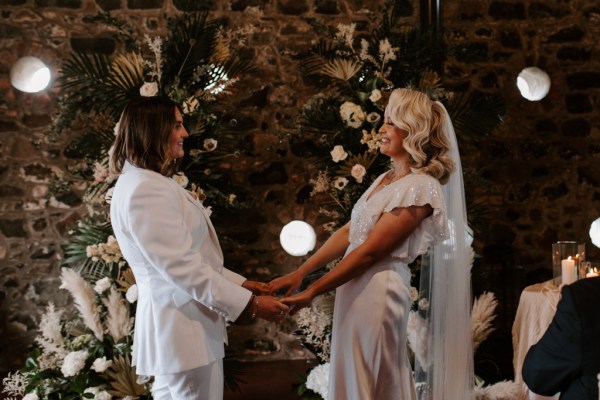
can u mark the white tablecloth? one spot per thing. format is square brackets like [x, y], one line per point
[536, 309]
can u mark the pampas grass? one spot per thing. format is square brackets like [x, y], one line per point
[504, 390]
[85, 300]
[118, 322]
[482, 316]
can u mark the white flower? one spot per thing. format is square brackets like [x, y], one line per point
[373, 117]
[101, 364]
[210, 144]
[73, 363]
[338, 153]
[345, 33]
[318, 380]
[15, 383]
[364, 50]
[181, 179]
[132, 294]
[375, 96]
[190, 105]
[358, 172]
[31, 396]
[98, 393]
[149, 89]
[108, 195]
[142, 379]
[386, 51]
[340, 183]
[352, 114]
[424, 304]
[102, 285]
[320, 183]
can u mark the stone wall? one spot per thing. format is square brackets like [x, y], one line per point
[535, 175]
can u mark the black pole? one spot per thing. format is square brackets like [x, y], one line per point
[431, 24]
[431, 18]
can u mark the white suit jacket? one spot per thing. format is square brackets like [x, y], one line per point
[184, 292]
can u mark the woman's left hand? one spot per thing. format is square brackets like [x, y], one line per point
[258, 288]
[298, 301]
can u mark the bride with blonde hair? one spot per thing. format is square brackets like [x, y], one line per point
[415, 209]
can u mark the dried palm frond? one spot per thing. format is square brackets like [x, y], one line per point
[126, 280]
[124, 379]
[340, 68]
[85, 300]
[365, 159]
[482, 316]
[431, 83]
[128, 68]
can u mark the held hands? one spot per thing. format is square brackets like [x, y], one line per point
[258, 288]
[267, 307]
[298, 301]
[291, 282]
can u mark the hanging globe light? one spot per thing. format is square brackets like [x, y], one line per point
[533, 83]
[297, 238]
[29, 75]
[595, 232]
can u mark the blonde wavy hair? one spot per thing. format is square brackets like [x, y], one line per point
[426, 142]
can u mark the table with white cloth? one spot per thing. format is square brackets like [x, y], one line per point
[536, 309]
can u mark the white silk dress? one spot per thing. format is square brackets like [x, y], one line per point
[368, 352]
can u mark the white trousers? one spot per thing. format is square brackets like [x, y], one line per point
[203, 383]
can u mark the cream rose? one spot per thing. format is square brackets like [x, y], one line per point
[149, 89]
[210, 144]
[358, 172]
[102, 285]
[101, 364]
[375, 96]
[132, 293]
[181, 179]
[338, 153]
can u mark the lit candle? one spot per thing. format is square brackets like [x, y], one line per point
[593, 272]
[569, 273]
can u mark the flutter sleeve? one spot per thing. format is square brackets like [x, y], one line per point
[419, 190]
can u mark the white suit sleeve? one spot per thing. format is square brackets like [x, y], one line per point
[156, 220]
[233, 276]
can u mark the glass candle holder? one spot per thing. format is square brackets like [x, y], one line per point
[568, 262]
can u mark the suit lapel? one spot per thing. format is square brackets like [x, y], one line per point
[189, 197]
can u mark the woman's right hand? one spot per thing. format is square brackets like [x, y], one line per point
[291, 282]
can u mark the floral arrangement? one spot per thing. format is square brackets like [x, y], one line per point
[87, 354]
[339, 127]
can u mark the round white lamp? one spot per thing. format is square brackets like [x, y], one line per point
[595, 232]
[30, 75]
[533, 83]
[298, 238]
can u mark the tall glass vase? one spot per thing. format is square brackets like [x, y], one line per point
[568, 262]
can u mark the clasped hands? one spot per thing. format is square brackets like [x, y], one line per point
[268, 307]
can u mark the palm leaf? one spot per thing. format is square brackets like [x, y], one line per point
[365, 159]
[124, 379]
[126, 280]
[191, 43]
[476, 115]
